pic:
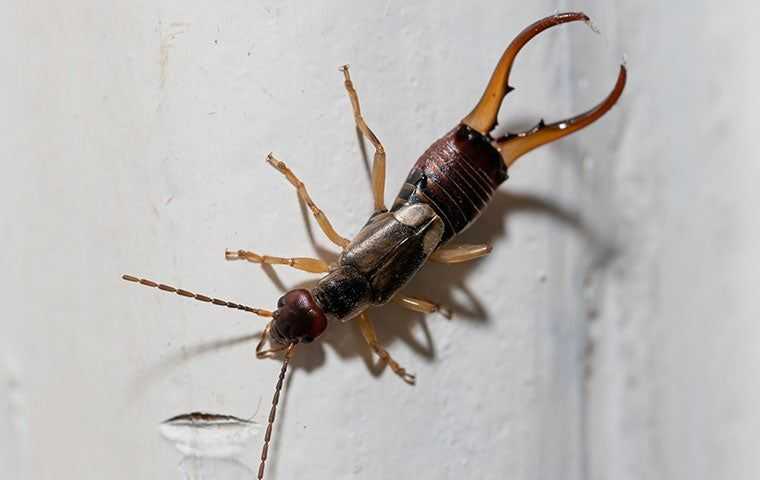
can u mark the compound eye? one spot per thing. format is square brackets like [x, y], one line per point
[281, 301]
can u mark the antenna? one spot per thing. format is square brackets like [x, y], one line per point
[273, 411]
[201, 298]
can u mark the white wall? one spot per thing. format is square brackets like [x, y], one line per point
[613, 332]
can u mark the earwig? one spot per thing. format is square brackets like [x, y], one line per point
[445, 192]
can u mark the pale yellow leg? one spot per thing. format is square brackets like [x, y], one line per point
[319, 215]
[378, 164]
[369, 335]
[460, 253]
[421, 305]
[260, 352]
[307, 264]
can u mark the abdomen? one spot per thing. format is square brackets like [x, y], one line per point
[456, 177]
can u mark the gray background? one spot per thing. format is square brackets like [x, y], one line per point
[612, 334]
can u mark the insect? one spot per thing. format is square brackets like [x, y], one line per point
[210, 435]
[445, 192]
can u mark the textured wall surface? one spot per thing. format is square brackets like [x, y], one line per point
[612, 334]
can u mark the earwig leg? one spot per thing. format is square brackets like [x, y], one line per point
[319, 215]
[511, 147]
[460, 253]
[421, 305]
[270, 352]
[260, 352]
[368, 330]
[307, 264]
[378, 164]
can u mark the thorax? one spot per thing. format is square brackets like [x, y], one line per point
[380, 260]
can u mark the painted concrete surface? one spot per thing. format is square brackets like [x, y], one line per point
[612, 333]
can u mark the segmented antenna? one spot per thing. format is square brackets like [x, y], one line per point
[273, 411]
[201, 298]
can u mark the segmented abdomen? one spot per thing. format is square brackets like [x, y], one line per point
[456, 176]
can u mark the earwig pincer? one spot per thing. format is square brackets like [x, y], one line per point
[445, 192]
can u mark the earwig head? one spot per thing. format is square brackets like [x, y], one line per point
[298, 318]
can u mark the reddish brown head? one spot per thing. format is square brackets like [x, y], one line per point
[298, 318]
